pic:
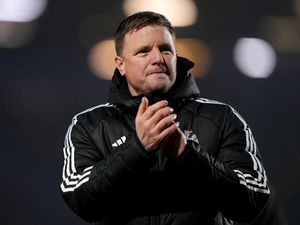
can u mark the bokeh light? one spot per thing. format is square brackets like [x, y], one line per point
[16, 35]
[282, 32]
[196, 51]
[21, 10]
[18, 21]
[254, 57]
[297, 8]
[179, 12]
[101, 59]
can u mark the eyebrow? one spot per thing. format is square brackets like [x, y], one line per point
[143, 48]
[165, 45]
[147, 48]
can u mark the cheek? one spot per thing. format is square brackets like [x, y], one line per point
[172, 65]
[138, 66]
[136, 71]
[141, 68]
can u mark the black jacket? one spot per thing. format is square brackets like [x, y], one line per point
[109, 178]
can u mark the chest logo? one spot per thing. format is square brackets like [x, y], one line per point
[119, 142]
[190, 136]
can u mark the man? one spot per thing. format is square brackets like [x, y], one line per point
[157, 153]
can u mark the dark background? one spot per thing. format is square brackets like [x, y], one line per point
[43, 84]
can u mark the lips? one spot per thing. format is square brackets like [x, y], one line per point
[160, 70]
[158, 73]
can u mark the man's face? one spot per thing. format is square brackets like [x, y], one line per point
[148, 60]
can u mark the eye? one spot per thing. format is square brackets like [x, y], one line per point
[166, 50]
[143, 52]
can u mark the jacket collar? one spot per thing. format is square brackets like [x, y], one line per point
[183, 89]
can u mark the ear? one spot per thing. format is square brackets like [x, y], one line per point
[120, 65]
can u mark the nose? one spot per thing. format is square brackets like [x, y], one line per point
[157, 57]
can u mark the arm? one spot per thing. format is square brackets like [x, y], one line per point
[90, 174]
[240, 156]
[234, 180]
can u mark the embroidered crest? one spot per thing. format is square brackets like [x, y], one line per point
[190, 136]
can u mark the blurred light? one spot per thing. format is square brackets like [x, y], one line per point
[179, 12]
[254, 57]
[16, 35]
[101, 59]
[297, 8]
[94, 28]
[283, 33]
[196, 51]
[21, 10]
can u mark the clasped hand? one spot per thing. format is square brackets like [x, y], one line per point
[157, 128]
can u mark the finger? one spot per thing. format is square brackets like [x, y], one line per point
[165, 123]
[142, 107]
[160, 115]
[168, 131]
[181, 133]
[151, 110]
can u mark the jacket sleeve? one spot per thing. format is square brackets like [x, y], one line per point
[90, 174]
[234, 179]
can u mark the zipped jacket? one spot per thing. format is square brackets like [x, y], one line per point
[110, 179]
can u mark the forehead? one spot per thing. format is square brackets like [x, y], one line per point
[147, 34]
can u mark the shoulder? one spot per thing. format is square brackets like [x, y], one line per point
[213, 110]
[205, 105]
[92, 116]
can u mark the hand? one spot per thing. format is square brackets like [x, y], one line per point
[175, 144]
[154, 124]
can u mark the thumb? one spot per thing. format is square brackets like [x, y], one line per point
[143, 106]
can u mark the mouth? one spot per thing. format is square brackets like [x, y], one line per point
[159, 71]
[158, 74]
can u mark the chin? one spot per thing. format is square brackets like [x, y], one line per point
[159, 86]
[160, 90]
